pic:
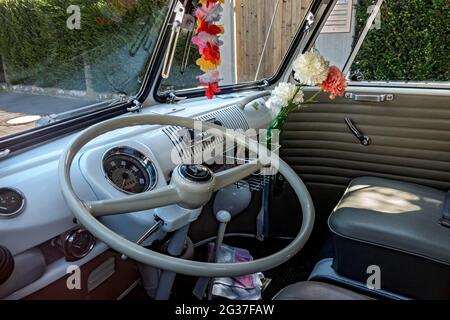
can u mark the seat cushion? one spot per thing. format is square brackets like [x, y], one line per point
[311, 290]
[393, 214]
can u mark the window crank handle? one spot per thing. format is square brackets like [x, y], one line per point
[365, 140]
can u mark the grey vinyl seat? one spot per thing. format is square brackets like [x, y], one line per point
[312, 290]
[399, 216]
[395, 214]
[395, 226]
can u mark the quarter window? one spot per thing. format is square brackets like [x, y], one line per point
[407, 40]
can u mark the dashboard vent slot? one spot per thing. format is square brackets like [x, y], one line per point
[230, 117]
[178, 142]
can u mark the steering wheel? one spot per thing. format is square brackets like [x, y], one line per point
[185, 189]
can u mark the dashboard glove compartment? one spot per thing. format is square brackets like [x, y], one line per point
[395, 226]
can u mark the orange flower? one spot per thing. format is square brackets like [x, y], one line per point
[206, 65]
[335, 83]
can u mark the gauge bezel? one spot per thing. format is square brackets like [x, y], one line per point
[136, 155]
[68, 240]
[18, 211]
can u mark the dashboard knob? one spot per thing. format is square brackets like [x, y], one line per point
[6, 264]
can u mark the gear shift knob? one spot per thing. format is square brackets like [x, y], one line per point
[223, 216]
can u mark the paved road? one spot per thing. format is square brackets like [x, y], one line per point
[37, 104]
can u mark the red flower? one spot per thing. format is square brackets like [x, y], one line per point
[335, 83]
[209, 2]
[211, 53]
[211, 89]
[208, 27]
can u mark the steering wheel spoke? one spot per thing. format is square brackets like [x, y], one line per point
[235, 174]
[143, 201]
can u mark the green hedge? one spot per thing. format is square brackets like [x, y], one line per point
[412, 44]
[38, 48]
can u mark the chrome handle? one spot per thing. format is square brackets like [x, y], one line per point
[189, 23]
[173, 40]
[170, 53]
[369, 97]
[364, 139]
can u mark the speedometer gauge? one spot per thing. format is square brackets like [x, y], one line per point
[129, 170]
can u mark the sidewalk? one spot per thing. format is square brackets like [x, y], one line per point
[13, 105]
[28, 103]
[6, 130]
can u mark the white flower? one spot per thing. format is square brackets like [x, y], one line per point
[282, 95]
[310, 68]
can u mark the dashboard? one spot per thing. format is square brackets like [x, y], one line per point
[127, 161]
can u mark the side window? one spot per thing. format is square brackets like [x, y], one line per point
[407, 41]
[257, 35]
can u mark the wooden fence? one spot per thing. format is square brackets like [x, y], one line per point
[253, 18]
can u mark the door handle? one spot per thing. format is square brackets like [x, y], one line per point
[369, 97]
[365, 140]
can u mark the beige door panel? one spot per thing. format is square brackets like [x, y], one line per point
[410, 140]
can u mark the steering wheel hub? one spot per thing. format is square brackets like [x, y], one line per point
[195, 173]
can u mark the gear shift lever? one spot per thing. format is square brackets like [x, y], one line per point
[206, 284]
[223, 217]
[229, 202]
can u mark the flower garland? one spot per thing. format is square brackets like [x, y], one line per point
[310, 69]
[208, 43]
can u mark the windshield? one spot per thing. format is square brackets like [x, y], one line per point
[254, 37]
[57, 57]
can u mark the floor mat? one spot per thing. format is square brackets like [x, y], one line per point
[294, 270]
